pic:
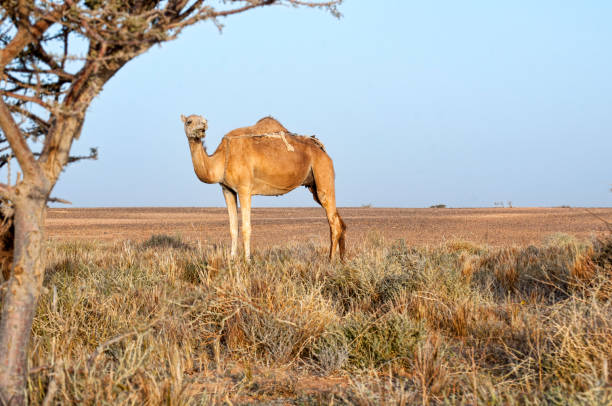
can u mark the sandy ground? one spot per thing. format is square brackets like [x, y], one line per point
[273, 226]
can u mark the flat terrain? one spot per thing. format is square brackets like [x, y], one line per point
[274, 226]
[121, 322]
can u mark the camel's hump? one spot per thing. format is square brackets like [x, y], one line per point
[266, 125]
[270, 125]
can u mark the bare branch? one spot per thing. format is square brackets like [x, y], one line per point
[28, 114]
[58, 200]
[102, 346]
[20, 148]
[6, 192]
[27, 34]
[30, 99]
[226, 13]
[93, 155]
[45, 57]
[52, 387]
[58, 72]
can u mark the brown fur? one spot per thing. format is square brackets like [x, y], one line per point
[246, 166]
[266, 125]
[270, 125]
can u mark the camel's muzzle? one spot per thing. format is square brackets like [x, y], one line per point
[198, 133]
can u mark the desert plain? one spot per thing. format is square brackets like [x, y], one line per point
[432, 306]
[277, 226]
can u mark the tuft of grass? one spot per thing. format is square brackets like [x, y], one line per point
[165, 241]
[561, 240]
[455, 323]
[375, 342]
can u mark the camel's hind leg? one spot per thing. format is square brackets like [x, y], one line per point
[324, 193]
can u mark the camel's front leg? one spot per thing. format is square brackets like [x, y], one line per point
[245, 210]
[232, 210]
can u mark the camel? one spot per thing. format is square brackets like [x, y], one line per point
[265, 159]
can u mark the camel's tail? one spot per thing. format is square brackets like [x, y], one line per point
[342, 239]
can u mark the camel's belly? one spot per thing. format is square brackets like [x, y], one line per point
[266, 189]
[266, 167]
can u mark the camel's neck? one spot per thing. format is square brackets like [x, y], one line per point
[209, 169]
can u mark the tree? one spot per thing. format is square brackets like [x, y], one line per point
[55, 57]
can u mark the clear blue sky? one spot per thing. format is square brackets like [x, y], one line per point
[458, 102]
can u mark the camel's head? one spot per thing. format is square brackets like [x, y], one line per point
[195, 126]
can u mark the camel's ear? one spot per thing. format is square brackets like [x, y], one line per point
[183, 118]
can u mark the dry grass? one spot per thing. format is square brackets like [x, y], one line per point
[168, 321]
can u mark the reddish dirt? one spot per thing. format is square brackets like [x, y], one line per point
[273, 226]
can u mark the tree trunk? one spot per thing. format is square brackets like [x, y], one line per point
[21, 296]
[7, 239]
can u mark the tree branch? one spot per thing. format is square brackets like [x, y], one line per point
[20, 148]
[226, 13]
[30, 99]
[31, 116]
[6, 192]
[29, 33]
[93, 155]
[182, 21]
[57, 200]
[45, 57]
[58, 72]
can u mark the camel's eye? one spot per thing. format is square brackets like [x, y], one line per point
[188, 122]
